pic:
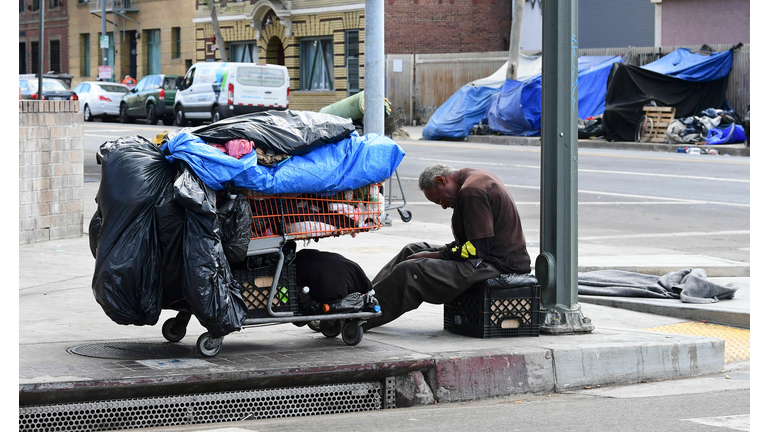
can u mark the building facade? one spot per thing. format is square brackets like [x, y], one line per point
[320, 43]
[55, 34]
[144, 37]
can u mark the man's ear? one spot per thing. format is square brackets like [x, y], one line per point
[440, 180]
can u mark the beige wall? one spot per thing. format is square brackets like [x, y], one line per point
[153, 14]
[50, 170]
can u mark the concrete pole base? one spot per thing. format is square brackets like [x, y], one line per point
[559, 320]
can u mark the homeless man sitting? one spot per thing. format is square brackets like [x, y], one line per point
[488, 242]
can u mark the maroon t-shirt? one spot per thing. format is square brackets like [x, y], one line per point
[485, 209]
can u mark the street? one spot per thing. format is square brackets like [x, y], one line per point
[680, 203]
[669, 406]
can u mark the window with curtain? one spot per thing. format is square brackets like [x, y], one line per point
[316, 56]
[85, 63]
[153, 52]
[243, 52]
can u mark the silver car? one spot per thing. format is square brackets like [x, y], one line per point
[100, 99]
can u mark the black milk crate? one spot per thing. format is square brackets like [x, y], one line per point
[256, 283]
[483, 312]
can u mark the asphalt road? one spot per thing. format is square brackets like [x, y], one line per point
[680, 203]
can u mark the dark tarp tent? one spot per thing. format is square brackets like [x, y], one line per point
[516, 109]
[688, 81]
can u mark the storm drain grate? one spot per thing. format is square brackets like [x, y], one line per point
[202, 408]
[132, 350]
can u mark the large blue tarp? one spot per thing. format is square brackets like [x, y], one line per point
[468, 106]
[455, 117]
[516, 109]
[348, 164]
[684, 64]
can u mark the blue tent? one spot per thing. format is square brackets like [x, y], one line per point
[516, 109]
[684, 64]
[467, 107]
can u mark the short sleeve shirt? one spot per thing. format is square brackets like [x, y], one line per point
[485, 208]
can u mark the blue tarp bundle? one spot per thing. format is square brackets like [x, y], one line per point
[516, 109]
[684, 64]
[468, 106]
[350, 163]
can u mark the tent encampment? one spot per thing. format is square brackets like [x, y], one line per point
[516, 109]
[467, 107]
[690, 82]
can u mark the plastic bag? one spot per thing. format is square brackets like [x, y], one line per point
[287, 132]
[127, 280]
[511, 280]
[235, 224]
[210, 290]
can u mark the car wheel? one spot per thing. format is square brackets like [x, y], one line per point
[181, 120]
[215, 115]
[87, 116]
[124, 118]
[151, 114]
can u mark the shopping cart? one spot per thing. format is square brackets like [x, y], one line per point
[268, 276]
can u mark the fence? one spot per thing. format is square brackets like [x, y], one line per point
[436, 77]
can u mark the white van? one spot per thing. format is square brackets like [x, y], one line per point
[215, 90]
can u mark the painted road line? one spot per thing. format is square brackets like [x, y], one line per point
[680, 234]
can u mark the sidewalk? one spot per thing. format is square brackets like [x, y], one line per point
[58, 315]
[414, 133]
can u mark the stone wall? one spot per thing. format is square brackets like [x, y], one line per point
[50, 170]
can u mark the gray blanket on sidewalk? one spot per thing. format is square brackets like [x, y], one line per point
[688, 285]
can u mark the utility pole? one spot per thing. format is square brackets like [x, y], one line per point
[373, 119]
[41, 51]
[104, 50]
[557, 265]
[518, 10]
[217, 31]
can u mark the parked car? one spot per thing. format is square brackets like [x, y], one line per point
[53, 89]
[100, 99]
[152, 99]
[216, 90]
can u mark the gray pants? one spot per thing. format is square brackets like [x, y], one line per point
[402, 285]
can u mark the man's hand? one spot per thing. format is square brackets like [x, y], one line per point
[434, 255]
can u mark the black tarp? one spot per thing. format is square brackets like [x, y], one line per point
[630, 88]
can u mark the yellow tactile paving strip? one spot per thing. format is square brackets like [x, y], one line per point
[736, 340]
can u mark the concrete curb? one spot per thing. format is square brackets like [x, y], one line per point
[730, 149]
[675, 310]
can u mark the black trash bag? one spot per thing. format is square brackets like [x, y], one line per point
[511, 280]
[127, 280]
[329, 276]
[354, 302]
[169, 216]
[234, 217]
[211, 292]
[283, 132]
[591, 128]
[94, 228]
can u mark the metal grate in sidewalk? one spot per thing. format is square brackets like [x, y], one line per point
[205, 408]
[736, 340]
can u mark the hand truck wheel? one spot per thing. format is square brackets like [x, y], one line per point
[352, 333]
[331, 328]
[207, 345]
[314, 325]
[405, 215]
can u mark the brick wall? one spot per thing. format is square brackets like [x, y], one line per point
[50, 170]
[56, 29]
[446, 26]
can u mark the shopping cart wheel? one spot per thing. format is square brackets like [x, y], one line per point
[405, 215]
[314, 325]
[207, 345]
[352, 333]
[174, 329]
[331, 328]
